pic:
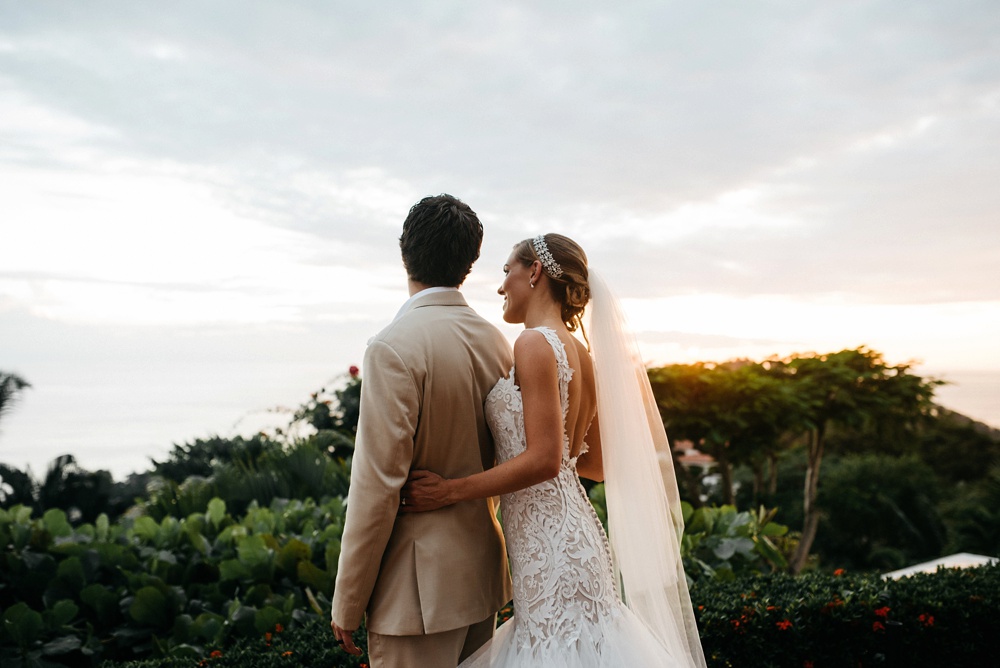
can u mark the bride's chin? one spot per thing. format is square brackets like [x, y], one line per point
[508, 316]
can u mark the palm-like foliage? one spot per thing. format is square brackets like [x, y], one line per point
[11, 386]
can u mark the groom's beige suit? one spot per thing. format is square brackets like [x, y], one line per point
[426, 377]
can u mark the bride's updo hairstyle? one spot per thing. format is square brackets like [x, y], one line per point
[570, 288]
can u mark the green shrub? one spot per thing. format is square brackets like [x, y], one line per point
[309, 644]
[944, 619]
[175, 587]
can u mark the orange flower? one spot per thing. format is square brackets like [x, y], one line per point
[267, 636]
[288, 653]
[216, 654]
[839, 572]
[772, 608]
[784, 624]
[878, 626]
[882, 612]
[278, 628]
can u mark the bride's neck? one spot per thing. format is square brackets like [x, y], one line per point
[544, 314]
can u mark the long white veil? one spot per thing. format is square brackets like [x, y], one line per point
[645, 523]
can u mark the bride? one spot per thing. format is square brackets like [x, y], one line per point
[565, 411]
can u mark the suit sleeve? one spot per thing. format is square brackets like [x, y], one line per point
[383, 452]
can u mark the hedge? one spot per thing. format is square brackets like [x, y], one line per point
[208, 588]
[948, 618]
[951, 618]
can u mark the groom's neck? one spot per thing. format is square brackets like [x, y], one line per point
[417, 286]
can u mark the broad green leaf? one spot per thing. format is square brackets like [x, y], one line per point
[293, 552]
[22, 624]
[233, 569]
[208, 626]
[101, 525]
[61, 614]
[146, 528]
[101, 600]
[315, 577]
[198, 541]
[253, 551]
[266, 618]
[56, 523]
[71, 572]
[216, 511]
[769, 552]
[772, 529]
[149, 607]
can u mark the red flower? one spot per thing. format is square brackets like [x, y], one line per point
[839, 572]
[278, 628]
[926, 620]
[878, 626]
[882, 612]
[354, 371]
[267, 636]
[807, 664]
[772, 608]
[216, 654]
[784, 624]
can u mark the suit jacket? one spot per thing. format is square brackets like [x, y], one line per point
[426, 377]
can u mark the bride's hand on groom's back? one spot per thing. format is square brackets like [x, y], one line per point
[423, 491]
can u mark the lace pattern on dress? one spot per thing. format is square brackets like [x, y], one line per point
[559, 554]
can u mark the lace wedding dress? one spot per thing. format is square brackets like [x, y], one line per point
[567, 608]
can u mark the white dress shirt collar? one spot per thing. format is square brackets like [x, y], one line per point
[428, 291]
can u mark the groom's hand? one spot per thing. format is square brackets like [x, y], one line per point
[423, 491]
[344, 637]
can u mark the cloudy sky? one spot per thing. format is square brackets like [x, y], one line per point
[200, 202]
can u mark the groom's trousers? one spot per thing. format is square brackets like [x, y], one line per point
[434, 650]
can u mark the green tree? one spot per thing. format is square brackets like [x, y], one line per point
[972, 516]
[880, 512]
[740, 412]
[850, 388]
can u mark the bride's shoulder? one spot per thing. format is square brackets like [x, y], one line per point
[533, 347]
[531, 340]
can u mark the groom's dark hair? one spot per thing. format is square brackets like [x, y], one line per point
[440, 241]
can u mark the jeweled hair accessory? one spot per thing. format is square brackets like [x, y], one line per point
[552, 267]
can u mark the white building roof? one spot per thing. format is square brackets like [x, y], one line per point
[960, 560]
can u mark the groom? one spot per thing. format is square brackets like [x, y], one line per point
[430, 583]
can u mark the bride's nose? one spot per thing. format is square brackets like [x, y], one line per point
[500, 290]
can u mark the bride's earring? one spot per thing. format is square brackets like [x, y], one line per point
[531, 284]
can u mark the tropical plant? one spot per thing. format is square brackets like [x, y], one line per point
[723, 543]
[11, 386]
[175, 587]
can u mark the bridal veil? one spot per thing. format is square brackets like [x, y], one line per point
[645, 523]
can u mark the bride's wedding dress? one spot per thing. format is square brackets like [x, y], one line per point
[567, 607]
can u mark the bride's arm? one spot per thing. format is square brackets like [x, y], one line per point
[539, 382]
[590, 464]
